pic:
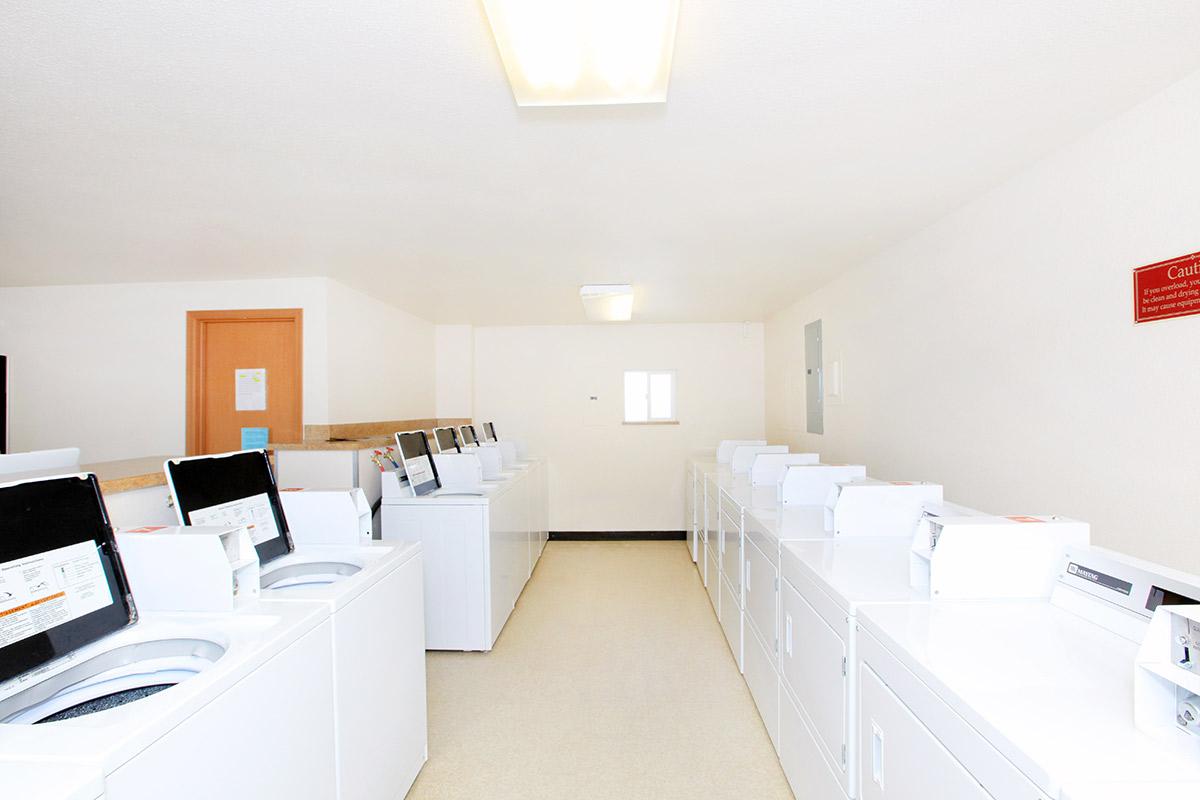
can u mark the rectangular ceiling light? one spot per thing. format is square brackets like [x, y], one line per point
[608, 302]
[585, 52]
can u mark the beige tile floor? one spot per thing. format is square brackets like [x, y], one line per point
[611, 679]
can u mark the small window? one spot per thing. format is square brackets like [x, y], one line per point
[650, 396]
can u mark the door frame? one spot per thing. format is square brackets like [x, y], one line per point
[197, 323]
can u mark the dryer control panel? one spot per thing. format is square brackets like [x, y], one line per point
[1185, 641]
[1166, 680]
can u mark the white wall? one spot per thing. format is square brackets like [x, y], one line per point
[381, 360]
[103, 367]
[535, 384]
[995, 351]
[455, 348]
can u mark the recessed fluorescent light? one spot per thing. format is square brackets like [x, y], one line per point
[585, 52]
[607, 302]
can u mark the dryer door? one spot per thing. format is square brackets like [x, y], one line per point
[811, 657]
[901, 758]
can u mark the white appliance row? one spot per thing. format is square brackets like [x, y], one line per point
[482, 534]
[813, 577]
[1072, 696]
[233, 657]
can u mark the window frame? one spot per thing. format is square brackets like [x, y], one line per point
[673, 419]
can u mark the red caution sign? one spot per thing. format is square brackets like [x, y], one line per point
[1167, 289]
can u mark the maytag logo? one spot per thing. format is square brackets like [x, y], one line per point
[1099, 578]
[1083, 572]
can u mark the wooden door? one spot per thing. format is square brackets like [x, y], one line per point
[225, 344]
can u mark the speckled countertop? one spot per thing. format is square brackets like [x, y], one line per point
[129, 474]
[366, 443]
[359, 435]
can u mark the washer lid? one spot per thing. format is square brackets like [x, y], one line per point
[232, 489]
[62, 585]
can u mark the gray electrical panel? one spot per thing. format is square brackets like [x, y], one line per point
[814, 378]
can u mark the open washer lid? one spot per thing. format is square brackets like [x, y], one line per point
[62, 585]
[232, 489]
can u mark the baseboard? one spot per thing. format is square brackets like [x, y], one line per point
[616, 536]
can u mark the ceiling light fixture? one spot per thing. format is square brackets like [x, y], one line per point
[585, 52]
[607, 302]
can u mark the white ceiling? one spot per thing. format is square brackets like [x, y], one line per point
[378, 143]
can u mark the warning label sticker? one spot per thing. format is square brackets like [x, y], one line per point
[1167, 289]
[40, 592]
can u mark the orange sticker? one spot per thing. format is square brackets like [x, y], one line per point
[293, 489]
[147, 529]
[901, 483]
[1024, 519]
[32, 603]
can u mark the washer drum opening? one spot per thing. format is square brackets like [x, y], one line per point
[310, 573]
[110, 679]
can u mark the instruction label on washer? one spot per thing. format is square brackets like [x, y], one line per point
[254, 512]
[42, 591]
[419, 470]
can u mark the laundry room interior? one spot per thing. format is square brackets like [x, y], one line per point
[600, 399]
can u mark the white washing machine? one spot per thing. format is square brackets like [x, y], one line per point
[378, 621]
[1017, 699]
[374, 596]
[50, 780]
[150, 702]
[510, 459]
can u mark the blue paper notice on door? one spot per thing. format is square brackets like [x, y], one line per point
[254, 438]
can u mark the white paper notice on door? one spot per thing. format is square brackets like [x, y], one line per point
[250, 389]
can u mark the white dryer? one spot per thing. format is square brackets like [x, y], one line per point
[374, 596]
[824, 585]
[767, 533]
[731, 498]
[49, 780]
[150, 702]
[1132, 790]
[827, 583]
[1018, 699]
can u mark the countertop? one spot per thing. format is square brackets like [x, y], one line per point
[366, 443]
[129, 474]
[359, 435]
